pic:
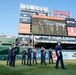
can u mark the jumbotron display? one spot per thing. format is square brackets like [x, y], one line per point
[48, 27]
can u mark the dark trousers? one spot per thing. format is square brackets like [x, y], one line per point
[13, 62]
[60, 58]
[50, 60]
[23, 60]
[8, 60]
[29, 59]
[43, 60]
[34, 59]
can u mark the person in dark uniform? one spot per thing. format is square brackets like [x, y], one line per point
[13, 55]
[34, 56]
[42, 50]
[24, 53]
[8, 56]
[29, 54]
[43, 54]
[13, 52]
[58, 50]
[50, 56]
[44, 57]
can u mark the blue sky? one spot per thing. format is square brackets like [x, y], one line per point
[9, 12]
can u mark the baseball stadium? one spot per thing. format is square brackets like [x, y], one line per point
[38, 28]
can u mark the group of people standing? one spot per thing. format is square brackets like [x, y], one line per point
[31, 54]
[43, 55]
[27, 55]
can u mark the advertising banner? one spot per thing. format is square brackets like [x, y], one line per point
[23, 14]
[71, 24]
[57, 12]
[67, 55]
[31, 8]
[24, 28]
[25, 18]
[48, 17]
[71, 31]
[23, 40]
[70, 19]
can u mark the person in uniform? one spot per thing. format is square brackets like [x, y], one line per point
[13, 55]
[34, 56]
[50, 56]
[58, 50]
[29, 54]
[43, 54]
[8, 56]
[24, 53]
[44, 57]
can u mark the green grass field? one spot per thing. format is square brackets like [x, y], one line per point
[37, 69]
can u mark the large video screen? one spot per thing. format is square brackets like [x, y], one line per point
[48, 27]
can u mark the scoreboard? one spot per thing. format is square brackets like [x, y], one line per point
[36, 20]
[48, 27]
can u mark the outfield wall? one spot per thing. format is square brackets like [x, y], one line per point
[67, 55]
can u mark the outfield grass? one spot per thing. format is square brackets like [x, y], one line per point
[37, 69]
